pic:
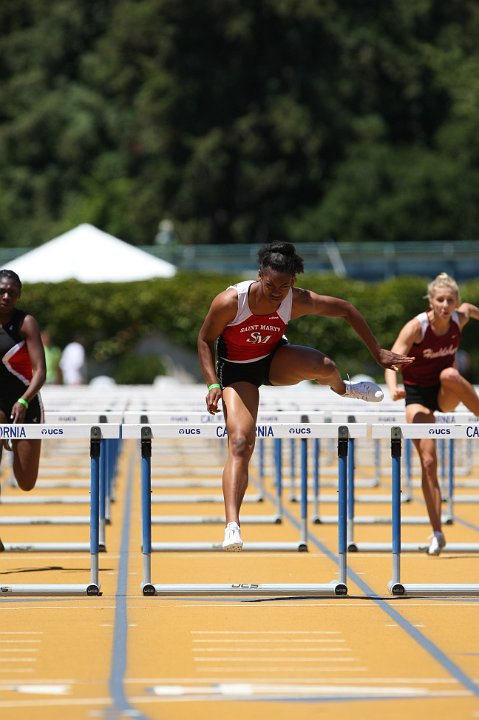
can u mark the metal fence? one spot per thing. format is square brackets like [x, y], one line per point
[361, 260]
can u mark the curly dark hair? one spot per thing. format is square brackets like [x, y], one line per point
[11, 275]
[282, 257]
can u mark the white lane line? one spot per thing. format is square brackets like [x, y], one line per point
[35, 688]
[265, 641]
[296, 690]
[254, 658]
[17, 670]
[266, 632]
[277, 650]
[343, 605]
[19, 650]
[68, 608]
[304, 681]
[38, 681]
[18, 660]
[57, 702]
[253, 669]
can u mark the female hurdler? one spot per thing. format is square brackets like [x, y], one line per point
[241, 346]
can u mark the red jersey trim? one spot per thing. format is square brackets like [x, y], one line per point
[249, 337]
[17, 361]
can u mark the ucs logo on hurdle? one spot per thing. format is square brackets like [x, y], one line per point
[471, 431]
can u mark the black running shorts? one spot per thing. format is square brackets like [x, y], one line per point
[426, 396]
[256, 373]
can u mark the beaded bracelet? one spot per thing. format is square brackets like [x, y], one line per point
[23, 402]
[214, 385]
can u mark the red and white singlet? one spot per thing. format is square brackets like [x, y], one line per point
[252, 337]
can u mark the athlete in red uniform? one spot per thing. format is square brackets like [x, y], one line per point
[22, 374]
[244, 329]
[432, 382]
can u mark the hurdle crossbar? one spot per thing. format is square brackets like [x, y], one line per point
[342, 433]
[397, 434]
[95, 434]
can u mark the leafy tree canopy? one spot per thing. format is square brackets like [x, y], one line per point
[240, 120]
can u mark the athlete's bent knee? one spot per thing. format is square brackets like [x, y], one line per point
[450, 375]
[325, 368]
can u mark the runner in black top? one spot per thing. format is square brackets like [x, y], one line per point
[22, 374]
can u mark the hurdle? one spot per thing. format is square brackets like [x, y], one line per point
[110, 452]
[275, 518]
[300, 546]
[447, 519]
[416, 431]
[109, 449]
[388, 419]
[95, 434]
[145, 434]
[354, 417]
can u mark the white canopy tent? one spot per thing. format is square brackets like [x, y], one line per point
[89, 255]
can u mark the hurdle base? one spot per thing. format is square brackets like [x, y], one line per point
[420, 589]
[49, 547]
[412, 547]
[333, 589]
[199, 499]
[218, 547]
[396, 588]
[31, 589]
[45, 520]
[214, 520]
[378, 520]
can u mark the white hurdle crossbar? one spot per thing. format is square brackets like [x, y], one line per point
[147, 433]
[95, 434]
[416, 431]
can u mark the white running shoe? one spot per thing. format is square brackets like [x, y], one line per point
[232, 541]
[363, 390]
[438, 542]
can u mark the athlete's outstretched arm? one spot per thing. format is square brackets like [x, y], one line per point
[307, 302]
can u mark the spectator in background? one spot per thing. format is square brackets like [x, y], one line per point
[52, 359]
[73, 362]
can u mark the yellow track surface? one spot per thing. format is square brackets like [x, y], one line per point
[124, 655]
